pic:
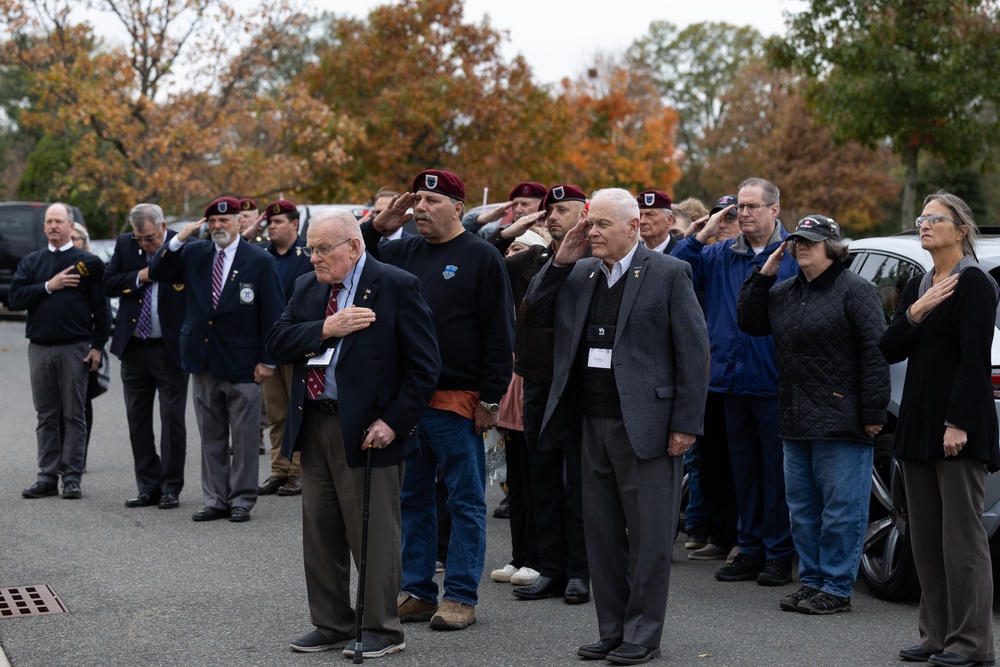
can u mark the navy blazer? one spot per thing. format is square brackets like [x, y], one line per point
[386, 371]
[227, 340]
[298, 265]
[119, 281]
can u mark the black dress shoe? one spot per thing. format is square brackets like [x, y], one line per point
[72, 491]
[577, 592]
[209, 514]
[544, 587]
[142, 500]
[631, 654]
[169, 501]
[949, 659]
[915, 654]
[600, 650]
[41, 490]
[271, 485]
[239, 515]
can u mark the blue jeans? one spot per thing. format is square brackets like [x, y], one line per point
[828, 483]
[447, 440]
[694, 514]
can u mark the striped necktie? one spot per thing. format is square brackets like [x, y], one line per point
[220, 260]
[144, 322]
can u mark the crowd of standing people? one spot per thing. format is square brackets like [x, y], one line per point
[617, 339]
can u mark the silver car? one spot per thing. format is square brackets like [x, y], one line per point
[887, 562]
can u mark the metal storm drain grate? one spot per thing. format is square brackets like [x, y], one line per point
[29, 601]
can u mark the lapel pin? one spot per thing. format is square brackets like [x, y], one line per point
[591, 275]
[365, 297]
[636, 274]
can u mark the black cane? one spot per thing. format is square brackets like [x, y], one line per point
[359, 655]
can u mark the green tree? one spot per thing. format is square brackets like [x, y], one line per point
[695, 68]
[920, 74]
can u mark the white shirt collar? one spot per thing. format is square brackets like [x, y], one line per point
[618, 270]
[64, 248]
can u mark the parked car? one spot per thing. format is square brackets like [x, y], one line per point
[22, 231]
[887, 560]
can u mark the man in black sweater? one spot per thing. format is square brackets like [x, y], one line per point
[463, 280]
[68, 326]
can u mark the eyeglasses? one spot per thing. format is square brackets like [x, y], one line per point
[144, 239]
[752, 208]
[800, 241]
[933, 218]
[322, 250]
[76, 238]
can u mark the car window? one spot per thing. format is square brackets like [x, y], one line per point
[17, 237]
[889, 274]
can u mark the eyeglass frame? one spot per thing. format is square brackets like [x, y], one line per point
[933, 218]
[750, 208]
[323, 251]
[143, 239]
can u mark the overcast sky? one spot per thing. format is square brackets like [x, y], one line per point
[559, 39]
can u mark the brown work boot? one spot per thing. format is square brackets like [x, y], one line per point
[413, 609]
[453, 615]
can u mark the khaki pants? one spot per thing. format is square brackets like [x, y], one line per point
[277, 390]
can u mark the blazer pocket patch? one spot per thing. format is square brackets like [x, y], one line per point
[665, 392]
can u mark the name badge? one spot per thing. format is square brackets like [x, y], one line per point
[247, 294]
[599, 357]
[323, 360]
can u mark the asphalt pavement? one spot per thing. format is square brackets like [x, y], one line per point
[148, 587]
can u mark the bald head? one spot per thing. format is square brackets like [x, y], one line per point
[336, 243]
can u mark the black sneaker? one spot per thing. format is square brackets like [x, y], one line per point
[502, 510]
[775, 573]
[743, 568]
[824, 603]
[791, 602]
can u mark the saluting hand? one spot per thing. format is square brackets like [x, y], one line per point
[770, 267]
[494, 214]
[192, 228]
[347, 321]
[711, 227]
[574, 245]
[394, 215]
[518, 227]
[255, 228]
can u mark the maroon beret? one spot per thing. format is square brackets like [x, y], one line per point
[653, 199]
[722, 202]
[279, 207]
[563, 193]
[442, 182]
[247, 204]
[528, 189]
[223, 206]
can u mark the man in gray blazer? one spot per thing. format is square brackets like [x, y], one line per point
[638, 400]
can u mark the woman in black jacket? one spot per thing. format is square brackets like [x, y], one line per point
[947, 434]
[833, 388]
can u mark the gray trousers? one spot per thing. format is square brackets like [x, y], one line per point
[332, 501]
[952, 555]
[59, 389]
[223, 409]
[630, 508]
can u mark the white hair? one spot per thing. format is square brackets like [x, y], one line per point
[622, 202]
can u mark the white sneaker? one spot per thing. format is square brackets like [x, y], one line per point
[524, 577]
[504, 574]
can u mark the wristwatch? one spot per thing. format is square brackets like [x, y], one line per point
[491, 408]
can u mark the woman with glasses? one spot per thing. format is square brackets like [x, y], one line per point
[833, 389]
[946, 438]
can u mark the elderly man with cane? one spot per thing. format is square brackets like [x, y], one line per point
[366, 362]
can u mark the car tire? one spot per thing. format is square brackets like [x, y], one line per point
[887, 559]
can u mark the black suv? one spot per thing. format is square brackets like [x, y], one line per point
[22, 231]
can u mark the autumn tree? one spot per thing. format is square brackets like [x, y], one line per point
[164, 117]
[430, 90]
[770, 131]
[622, 134]
[694, 69]
[920, 74]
